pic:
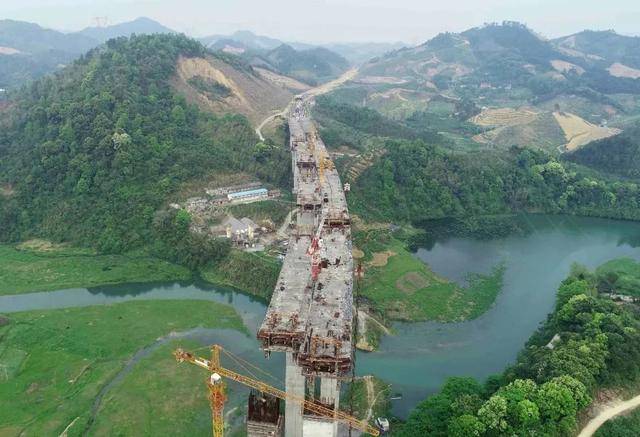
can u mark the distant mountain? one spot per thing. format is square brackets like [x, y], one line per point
[606, 47]
[358, 53]
[311, 66]
[246, 38]
[241, 41]
[307, 63]
[29, 38]
[28, 51]
[502, 84]
[493, 52]
[138, 26]
[511, 55]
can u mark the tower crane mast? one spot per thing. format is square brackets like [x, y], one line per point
[217, 394]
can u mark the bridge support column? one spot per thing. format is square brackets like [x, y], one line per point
[330, 394]
[295, 384]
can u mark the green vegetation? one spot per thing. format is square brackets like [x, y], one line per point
[619, 276]
[158, 384]
[374, 330]
[252, 272]
[93, 154]
[400, 286]
[595, 344]
[24, 270]
[212, 89]
[432, 183]
[358, 398]
[57, 362]
[618, 155]
[312, 66]
[349, 125]
[273, 210]
[624, 426]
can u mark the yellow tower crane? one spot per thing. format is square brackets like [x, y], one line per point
[217, 396]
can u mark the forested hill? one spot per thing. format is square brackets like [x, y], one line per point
[619, 155]
[91, 154]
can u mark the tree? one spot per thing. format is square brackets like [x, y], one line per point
[465, 425]
[556, 402]
[493, 414]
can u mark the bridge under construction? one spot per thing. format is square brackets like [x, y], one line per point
[310, 316]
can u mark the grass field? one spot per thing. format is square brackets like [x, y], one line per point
[54, 363]
[43, 267]
[359, 397]
[274, 210]
[251, 272]
[158, 398]
[406, 289]
[621, 276]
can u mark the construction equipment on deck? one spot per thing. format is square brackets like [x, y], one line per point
[217, 395]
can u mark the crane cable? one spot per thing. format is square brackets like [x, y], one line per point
[243, 362]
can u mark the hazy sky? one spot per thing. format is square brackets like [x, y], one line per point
[411, 21]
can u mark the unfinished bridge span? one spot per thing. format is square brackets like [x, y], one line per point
[310, 316]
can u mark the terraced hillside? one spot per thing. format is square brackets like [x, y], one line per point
[517, 78]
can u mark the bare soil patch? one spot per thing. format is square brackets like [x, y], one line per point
[283, 81]
[565, 67]
[8, 51]
[38, 245]
[252, 94]
[6, 190]
[357, 253]
[380, 259]
[411, 282]
[579, 132]
[621, 70]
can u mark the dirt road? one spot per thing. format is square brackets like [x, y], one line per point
[313, 92]
[609, 413]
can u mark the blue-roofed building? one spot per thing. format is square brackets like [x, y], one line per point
[248, 195]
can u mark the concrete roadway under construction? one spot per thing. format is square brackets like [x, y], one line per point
[310, 316]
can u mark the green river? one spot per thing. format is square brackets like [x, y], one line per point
[421, 355]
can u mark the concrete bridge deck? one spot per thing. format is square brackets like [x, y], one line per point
[310, 315]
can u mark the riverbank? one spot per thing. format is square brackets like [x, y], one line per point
[588, 343]
[397, 286]
[252, 273]
[38, 265]
[57, 362]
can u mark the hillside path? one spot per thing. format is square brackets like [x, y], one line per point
[609, 413]
[313, 92]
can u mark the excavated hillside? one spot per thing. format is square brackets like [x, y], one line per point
[218, 86]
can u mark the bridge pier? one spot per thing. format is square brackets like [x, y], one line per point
[330, 395]
[295, 385]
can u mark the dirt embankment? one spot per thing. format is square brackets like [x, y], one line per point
[253, 93]
[579, 132]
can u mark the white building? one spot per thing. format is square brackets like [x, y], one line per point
[248, 195]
